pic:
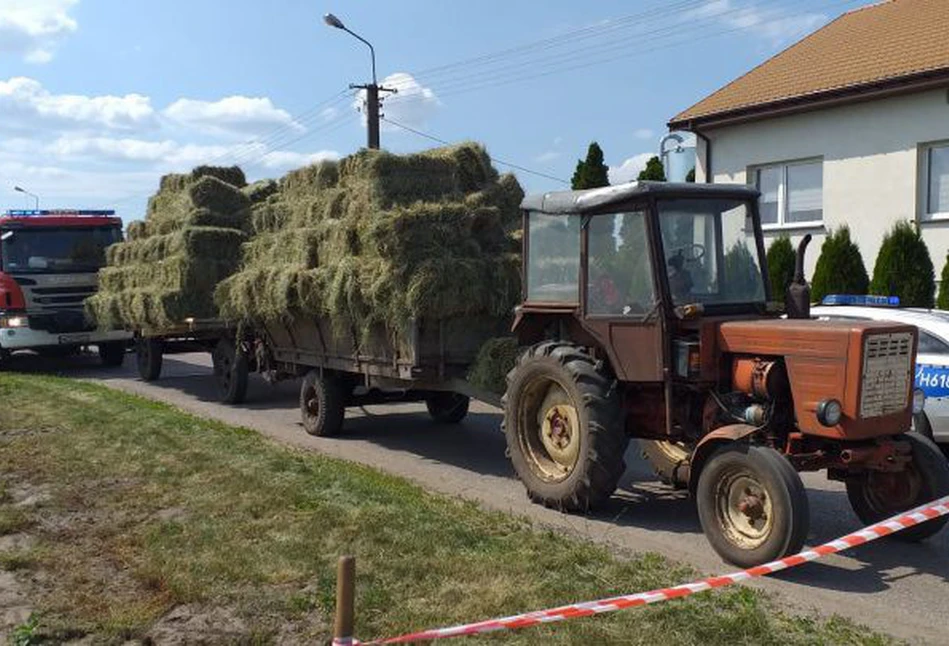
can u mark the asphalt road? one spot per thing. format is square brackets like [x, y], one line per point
[900, 589]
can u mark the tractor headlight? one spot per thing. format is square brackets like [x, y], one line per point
[14, 322]
[919, 401]
[829, 412]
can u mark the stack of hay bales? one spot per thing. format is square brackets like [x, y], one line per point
[190, 240]
[379, 239]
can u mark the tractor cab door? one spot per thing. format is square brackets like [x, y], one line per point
[619, 299]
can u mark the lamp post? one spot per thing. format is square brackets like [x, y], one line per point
[372, 89]
[36, 198]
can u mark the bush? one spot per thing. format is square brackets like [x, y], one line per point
[781, 259]
[942, 301]
[840, 268]
[904, 268]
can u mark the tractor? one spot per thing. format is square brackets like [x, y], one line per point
[648, 314]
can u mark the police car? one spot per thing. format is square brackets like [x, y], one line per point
[932, 359]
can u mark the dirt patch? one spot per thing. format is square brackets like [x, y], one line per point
[196, 624]
[20, 542]
[26, 495]
[15, 607]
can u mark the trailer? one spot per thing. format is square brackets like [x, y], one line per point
[343, 368]
[230, 349]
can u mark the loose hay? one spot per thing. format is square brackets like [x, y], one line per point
[495, 359]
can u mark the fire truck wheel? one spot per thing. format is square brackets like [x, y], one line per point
[877, 495]
[447, 408]
[564, 427]
[148, 357]
[112, 355]
[322, 403]
[230, 372]
[670, 461]
[752, 504]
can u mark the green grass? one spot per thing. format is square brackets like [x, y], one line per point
[149, 508]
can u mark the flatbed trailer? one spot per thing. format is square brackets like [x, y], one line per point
[342, 368]
[230, 353]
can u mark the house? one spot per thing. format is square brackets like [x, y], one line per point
[848, 126]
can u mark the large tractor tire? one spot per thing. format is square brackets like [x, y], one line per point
[323, 403]
[230, 372]
[670, 461]
[447, 408]
[148, 358]
[112, 355]
[877, 495]
[752, 504]
[564, 427]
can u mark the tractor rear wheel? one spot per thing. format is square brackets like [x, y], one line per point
[752, 504]
[148, 358]
[230, 372]
[670, 461]
[877, 495]
[447, 408]
[323, 403]
[564, 427]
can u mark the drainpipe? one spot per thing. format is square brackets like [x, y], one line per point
[708, 153]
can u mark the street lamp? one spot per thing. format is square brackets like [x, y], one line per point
[372, 89]
[36, 198]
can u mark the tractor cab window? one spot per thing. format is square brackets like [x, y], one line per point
[619, 275]
[553, 258]
[710, 257]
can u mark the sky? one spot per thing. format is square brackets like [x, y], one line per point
[99, 98]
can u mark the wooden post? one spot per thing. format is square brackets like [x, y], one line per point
[345, 600]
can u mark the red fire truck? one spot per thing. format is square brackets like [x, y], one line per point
[49, 263]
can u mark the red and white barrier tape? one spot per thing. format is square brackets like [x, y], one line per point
[873, 532]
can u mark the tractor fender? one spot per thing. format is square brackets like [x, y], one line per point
[708, 444]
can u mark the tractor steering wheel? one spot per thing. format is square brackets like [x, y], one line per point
[693, 252]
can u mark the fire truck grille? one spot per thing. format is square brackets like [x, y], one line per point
[887, 372]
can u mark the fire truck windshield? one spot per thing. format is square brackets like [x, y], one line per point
[56, 251]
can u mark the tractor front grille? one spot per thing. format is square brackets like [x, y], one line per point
[887, 374]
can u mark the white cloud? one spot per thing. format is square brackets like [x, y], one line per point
[643, 133]
[413, 104]
[32, 29]
[26, 104]
[629, 169]
[547, 157]
[233, 115]
[774, 25]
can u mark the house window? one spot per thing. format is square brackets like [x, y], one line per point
[937, 179]
[792, 194]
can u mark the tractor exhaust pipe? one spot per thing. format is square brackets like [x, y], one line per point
[798, 299]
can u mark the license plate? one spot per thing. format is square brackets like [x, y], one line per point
[70, 339]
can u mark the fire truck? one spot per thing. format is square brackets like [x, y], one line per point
[49, 263]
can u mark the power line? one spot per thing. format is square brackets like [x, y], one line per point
[494, 159]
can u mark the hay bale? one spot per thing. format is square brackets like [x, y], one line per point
[217, 196]
[260, 190]
[137, 230]
[195, 242]
[496, 358]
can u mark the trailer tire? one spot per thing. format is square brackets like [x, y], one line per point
[669, 460]
[230, 372]
[737, 474]
[5, 356]
[564, 427]
[447, 408]
[322, 404]
[148, 358]
[927, 478]
[112, 355]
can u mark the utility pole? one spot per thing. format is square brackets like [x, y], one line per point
[373, 102]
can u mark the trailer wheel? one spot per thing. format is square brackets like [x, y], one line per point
[447, 408]
[148, 357]
[670, 461]
[4, 359]
[877, 495]
[322, 404]
[112, 355]
[230, 372]
[752, 504]
[564, 427]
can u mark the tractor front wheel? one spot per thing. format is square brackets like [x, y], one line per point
[877, 495]
[752, 504]
[564, 427]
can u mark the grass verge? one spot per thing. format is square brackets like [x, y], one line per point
[144, 521]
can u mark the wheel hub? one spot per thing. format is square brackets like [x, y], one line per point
[745, 510]
[560, 434]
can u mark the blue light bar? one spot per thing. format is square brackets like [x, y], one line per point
[21, 213]
[861, 300]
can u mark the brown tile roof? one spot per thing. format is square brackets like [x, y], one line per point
[889, 41]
